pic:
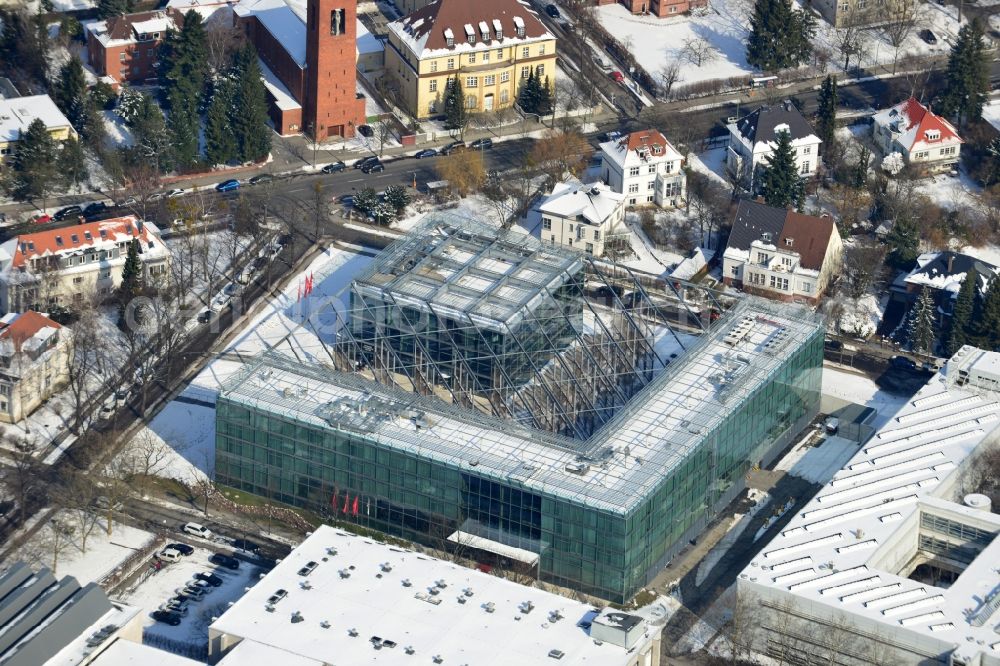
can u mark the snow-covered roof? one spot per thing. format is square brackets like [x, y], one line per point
[916, 127]
[947, 270]
[283, 98]
[17, 113]
[128, 28]
[28, 331]
[847, 550]
[367, 42]
[643, 147]
[207, 8]
[595, 202]
[692, 265]
[426, 32]
[129, 653]
[367, 602]
[277, 18]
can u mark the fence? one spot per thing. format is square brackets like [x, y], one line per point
[196, 651]
[129, 566]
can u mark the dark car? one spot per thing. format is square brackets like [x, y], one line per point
[928, 36]
[366, 131]
[284, 239]
[96, 208]
[248, 546]
[426, 152]
[452, 147]
[181, 548]
[481, 144]
[334, 168]
[552, 11]
[205, 317]
[167, 617]
[67, 212]
[224, 561]
[346, 200]
[259, 263]
[209, 578]
[374, 167]
[260, 179]
[365, 161]
[902, 363]
[230, 185]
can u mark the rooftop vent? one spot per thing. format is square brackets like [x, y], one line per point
[352, 632]
[437, 659]
[385, 567]
[324, 624]
[489, 607]
[526, 607]
[577, 468]
[406, 582]
[555, 616]
[440, 583]
[557, 654]
[467, 591]
[297, 617]
[344, 573]
[331, 551]
[409, 649]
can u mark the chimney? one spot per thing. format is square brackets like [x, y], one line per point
[138, 226]
[951, 262]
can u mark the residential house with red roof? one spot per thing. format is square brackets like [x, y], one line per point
[645, 168]
[34, 362]
[781, 254]
[488, 48]
[75, 264]
[927, 141]
[126, 48]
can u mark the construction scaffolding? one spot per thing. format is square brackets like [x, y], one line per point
[493, 320]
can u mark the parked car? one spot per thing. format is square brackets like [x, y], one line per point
[174, 606]
[902, 363]
[259, 263]
[426, 152]
[181, 548]
[103, 503]
[230, 185]
[309, 567]
[452, 147]
[481, 144]
[109, 408]
[68, 212]
[366, 131]
[95, 211]
[552, 10]
[278, 595]
[220, 302]
[205, 317]
[601, 62]
[121, 395]
[127, 201]
[169, 555]
[928, 36]
[224, 561]
[365, 161]
[260, 179]
[197, 584]
[248, 546]
[167, 617]
[374, 167]
[197, 530]
[346, 200]
[209, 578]
[176, 192]
[613, 135]
[44, 218]
[195, 593]
[335, 167]
[617, 76]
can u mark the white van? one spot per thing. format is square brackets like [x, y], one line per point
[169, 555]
[197, 530]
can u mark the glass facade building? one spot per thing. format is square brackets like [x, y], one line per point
[601, 515]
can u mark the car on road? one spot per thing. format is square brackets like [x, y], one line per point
[928, 36]
[209, 578]
[127, 201]
[346, 200]
[260, 179]
[44, 218]
[452, 147]
[68, 212]
[426, 152]
[224, 561]
[230, 185]
[167, 617]
[617, 76]
[103, 503]
[108, 408]
[176, 192]
[482, 144]
[248, 546]
[197, 530]
[366, 131]
[902, 363]
[374, 167]
[552, 10]
[365, 161]
[334, 167]
[169, 555]
[181, 548]
[95, 211]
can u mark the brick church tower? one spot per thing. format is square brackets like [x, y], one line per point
[332, 106]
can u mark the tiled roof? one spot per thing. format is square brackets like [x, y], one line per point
[78, 237]
[120, 27]
[440, 16]
[21, 327]
[810, 235]
[913, 121]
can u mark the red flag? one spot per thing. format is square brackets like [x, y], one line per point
[333, 499]
[347, 498]
[354, 509]
[309, 286]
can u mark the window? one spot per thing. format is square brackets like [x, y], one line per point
[105, 274]
[540, 71]
[451, 63]
[472, 38]
[649, 198]
[652, 168]
[541, 49]
[761, 258]
[450, 41]
[806, 150]
[805, 167]
[434, 65]
[950, 150]
[920, 155]
[499, 51]
[504, 96]
[470, 101]
[844, 6]
[634, 171]
[786, 261]
[597, 234]
[524, 72]
[807, 287]
[520, 31]
[789, 242]
[590, 248]
[546, 223]
[734, 270]
[337, 23]
[525, 51]
[121, 57]
[504, 77]
[77, 280]
[633, 188]
[490, 80]
[862, 4]
[486, 56]
[433, 86]
[779, 283]
[472, 58]
[652, 185]
[472, 82]
[631, 202]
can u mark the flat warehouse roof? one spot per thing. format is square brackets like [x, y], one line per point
[612, 470]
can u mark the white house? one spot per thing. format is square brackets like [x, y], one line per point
[76, 263]
[926, 140]
[645, 168]
[781, 254]
[582, 216]
[753, 138]
[34, 362]
[18, 113]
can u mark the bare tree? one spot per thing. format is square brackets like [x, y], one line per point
[148, 457]
[86, 364]
[668, 76]
[23, 478]
[851, 39]
[698, 51]
[116, 486]
[222, 39]
[78, 494]
[901, 18]
[57, 538]
[384, 132]
[863, 262]
[559, 153]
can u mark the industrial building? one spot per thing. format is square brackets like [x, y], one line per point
[894, 561]
[344, 596]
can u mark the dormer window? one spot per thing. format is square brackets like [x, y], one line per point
[449, 37]
[789, 242]
[59, 241]
[766, 236]
[519, 26]
[657, 150]
[932, 135]
[497, 29]
[470, 32]
[75, 239]
[484, 31]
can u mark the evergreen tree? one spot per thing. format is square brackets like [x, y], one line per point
[544, 97]
[70, 93]
[250, 121]
[826, 115]
[32, 168]
[904, 242]
[859, 177]
[780, 184]
[967, 80]
[72, 166]
[110, 8]
[24, 46]
[183, 125]
[456, 115]
[989, 319]
[780, 37]
[131, 285]
[961, 317]
[183, 74]
[531, 92]
[220, 144]
[149, 130]
[920, 330]
[396, 196]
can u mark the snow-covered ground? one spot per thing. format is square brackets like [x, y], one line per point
[951, 192]
[104, 552]
[819, 463]
[118, 134]
[712, 163]
[860, 318]
[989, 253]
